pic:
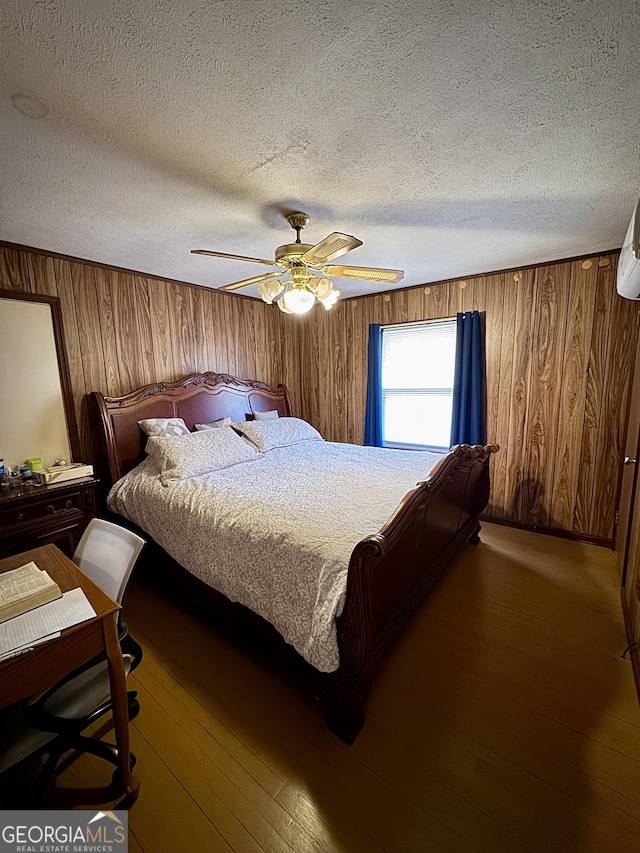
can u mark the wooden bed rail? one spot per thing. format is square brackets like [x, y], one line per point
[390, 572]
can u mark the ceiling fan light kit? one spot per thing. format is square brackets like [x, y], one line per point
[303, 276]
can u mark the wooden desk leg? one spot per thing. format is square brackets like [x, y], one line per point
[117, 681]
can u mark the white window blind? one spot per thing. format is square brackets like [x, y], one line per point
[418, 362]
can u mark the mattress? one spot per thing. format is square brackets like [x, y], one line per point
[276, 533]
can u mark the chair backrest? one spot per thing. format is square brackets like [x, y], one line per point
[107, 554]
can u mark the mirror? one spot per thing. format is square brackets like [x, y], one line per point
[38, 415]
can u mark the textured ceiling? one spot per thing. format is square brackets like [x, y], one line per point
[451, 137]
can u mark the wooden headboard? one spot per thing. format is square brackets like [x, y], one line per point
[199, 398]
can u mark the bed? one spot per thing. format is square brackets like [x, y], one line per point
[369, 562]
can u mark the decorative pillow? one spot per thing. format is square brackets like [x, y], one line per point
[197, 453]
[279, 432]
[164, 426]
[266, 416]
[222, 422]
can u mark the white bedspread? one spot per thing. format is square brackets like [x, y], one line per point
[276, 533]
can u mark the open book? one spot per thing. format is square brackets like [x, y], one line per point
[23, 589]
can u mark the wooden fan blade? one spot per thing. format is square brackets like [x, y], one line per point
[234, 257]
[236, 285]
[364, 273]
[331, 247]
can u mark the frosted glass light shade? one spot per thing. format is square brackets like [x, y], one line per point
[298, 300]
[330, 299]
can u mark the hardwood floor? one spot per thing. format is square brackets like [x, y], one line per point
[520, 723]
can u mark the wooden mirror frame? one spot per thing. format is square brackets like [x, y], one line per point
[63, 365]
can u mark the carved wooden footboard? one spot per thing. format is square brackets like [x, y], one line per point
[389, 572]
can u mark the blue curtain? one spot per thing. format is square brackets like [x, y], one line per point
[373, 414]
[467, 420]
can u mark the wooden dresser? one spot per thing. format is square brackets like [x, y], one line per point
[35, 515]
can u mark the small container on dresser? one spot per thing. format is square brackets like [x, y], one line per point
[33, 515]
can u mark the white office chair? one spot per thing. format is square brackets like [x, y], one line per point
[52, 723]
[107, 553]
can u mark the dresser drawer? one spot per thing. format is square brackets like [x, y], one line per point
[35, 511]
[31, 516]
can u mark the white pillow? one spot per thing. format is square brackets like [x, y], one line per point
[266, 416]
[280, 432]
[197, 453]
[221, 422]
[163, 426]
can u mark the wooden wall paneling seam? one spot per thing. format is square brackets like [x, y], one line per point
[106, 282]
[144, 337]
[13, 270]
[253, 362]
[86, 300]
[275, 352]
[222, 332]
[356, 401]
[230, 351]
[128, 298]
[400, 300]
[181, 322]
[199, 338]
[338, 373]
[316, 364]
[492, 303]
[239, 366]
[302, 372]
[325, 375]
[245, 346]
[454, 298]
[507, 293]
[161, 333]
[601, 350]
[575, 362]
[593, 401]
[515, 449]
[263, 332]
[209, 331]
[42, 276]
[415, 307]
[349, 373]
[439, 302]
[387, 308]
[292, 368]
[544, 391]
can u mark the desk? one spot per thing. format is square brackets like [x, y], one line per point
[48, 663]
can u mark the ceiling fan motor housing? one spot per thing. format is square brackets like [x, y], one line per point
[292, 251]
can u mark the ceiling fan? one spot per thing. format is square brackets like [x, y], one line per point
[303, 274]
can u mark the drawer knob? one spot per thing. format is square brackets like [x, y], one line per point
[20, 516]
[51, 508]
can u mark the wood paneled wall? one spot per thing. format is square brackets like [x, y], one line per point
[124, 330]
[559, 345]
[559, 361]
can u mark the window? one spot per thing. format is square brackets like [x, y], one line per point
[418, 363]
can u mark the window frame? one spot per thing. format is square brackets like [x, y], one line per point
[395, 445]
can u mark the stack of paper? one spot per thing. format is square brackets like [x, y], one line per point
[22, 633]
